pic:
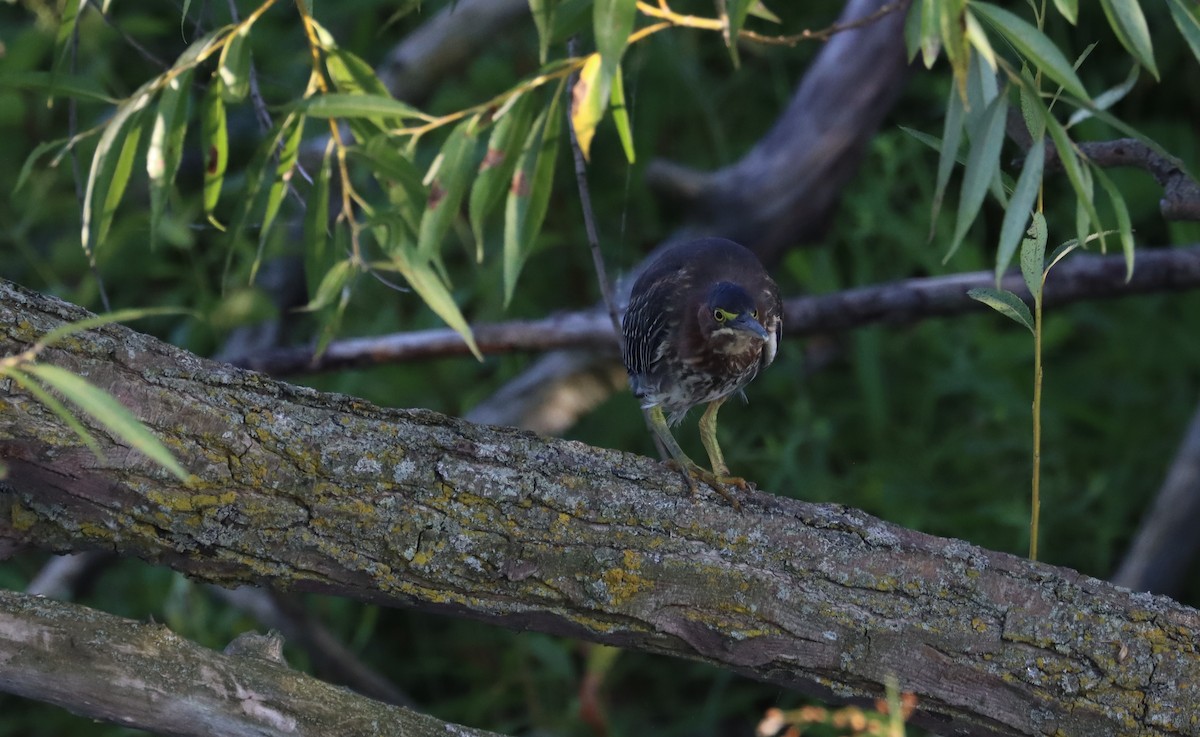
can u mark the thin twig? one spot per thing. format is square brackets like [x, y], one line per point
[895, 303]
[722, 24]
[585, 201]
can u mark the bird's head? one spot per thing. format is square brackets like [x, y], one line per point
[729, 315]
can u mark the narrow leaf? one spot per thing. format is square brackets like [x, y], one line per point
[293, 128]
[102, 177]
[1023, 197]
[1068, 9]
[1129, 24]
[588, 101]
[952, 131]
[1004, 302]
[1076, 172]
[983, 161]
[543, 18]
[1033, 45]
[621, 116]
[446, 191]
[215, 140]
[1033, 256]
[166, 145]
[38, 152]
[1188, 21]
[733, 20]
[496, 169]
[1106, 99]
[430, 288]
[1060, 253]
[612, 21]
[318, 256]
[931, 33]
[529, 195]
[108, 412]
[398, 177]
[331, 285]
[234, 68]
[1124, 224]
[358, 106]
[62, 85]
[51, 402]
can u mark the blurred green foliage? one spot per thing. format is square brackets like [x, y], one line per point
[926, 426]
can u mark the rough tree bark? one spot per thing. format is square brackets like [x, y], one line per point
[145, 676]
[316, 492]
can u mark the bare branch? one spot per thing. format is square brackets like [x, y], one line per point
[145, 676]
[318, 492]
[1076, 279]
[1181, 193]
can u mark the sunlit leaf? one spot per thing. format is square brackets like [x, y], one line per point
[234, 67]
[983, 161]
[588, 101]
[931, 33]
[1033, 45]
[1004, 302]
[1188, 21]
[293, 132]
[1017, 214]
[331, 285]
[1129, 24]
[759, 10]
[109, 413]
[612, 21]
[447, 188]
[1068, 9]
[621, 116]
[319, 258]
[358, 106]
[166, 145]
[1124, 224]
[430, 288]
[215, 141]
[496, 169]
[543, 18]
[110, 172]
[529, 194]
[1033, 256]
[978, 38]
[954, 40]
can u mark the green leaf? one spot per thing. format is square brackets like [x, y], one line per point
[453, 174]
[166, 145]
[1068, 9]
[734, 18]
[1106, 99]
[952, 131]
[529, 195]
[1023, 197]
[912, 31]
[352, 75]
[543, 18]
[318, 256]
[1188, 22]
[108, 412]
[496, 169]
[1124, 224]
[931, 33]
[1059, 253]
[1033, 256]
[429, 287]
[110, 173]
[1078, 175]
[63, 331]
[1031, 106]
[234, 67]
[293, 132]
[1004, 302]
[51, 402]
[331, 286]
[1129, 24]
[759, 10]
[612, 21]
[621, 116]
[215, 140]
[983, 161]
[79, 88]
[38, 152]
[358, 106]
[397, 176]
[1033, 45]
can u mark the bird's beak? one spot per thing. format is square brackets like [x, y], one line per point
[745, 322]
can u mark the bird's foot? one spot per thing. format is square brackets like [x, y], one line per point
[722, 483]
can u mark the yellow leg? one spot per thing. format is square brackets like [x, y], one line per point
[708, 436]
[690, 469]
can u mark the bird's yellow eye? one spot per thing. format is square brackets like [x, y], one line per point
[754, 314]
[719, 315]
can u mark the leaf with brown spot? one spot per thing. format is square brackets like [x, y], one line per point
[456, 161]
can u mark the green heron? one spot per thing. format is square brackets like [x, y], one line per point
[703, 319]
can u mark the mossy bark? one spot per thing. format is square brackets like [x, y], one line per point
[319, 492]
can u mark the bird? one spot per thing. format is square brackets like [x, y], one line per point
[704, 318]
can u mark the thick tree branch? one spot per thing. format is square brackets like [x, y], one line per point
[145, 676]
[327, 493]
[1080, 278]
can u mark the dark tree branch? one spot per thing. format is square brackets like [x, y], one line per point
[1080, 278]
[147, 677]
[1166, 544]
[319, 492]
